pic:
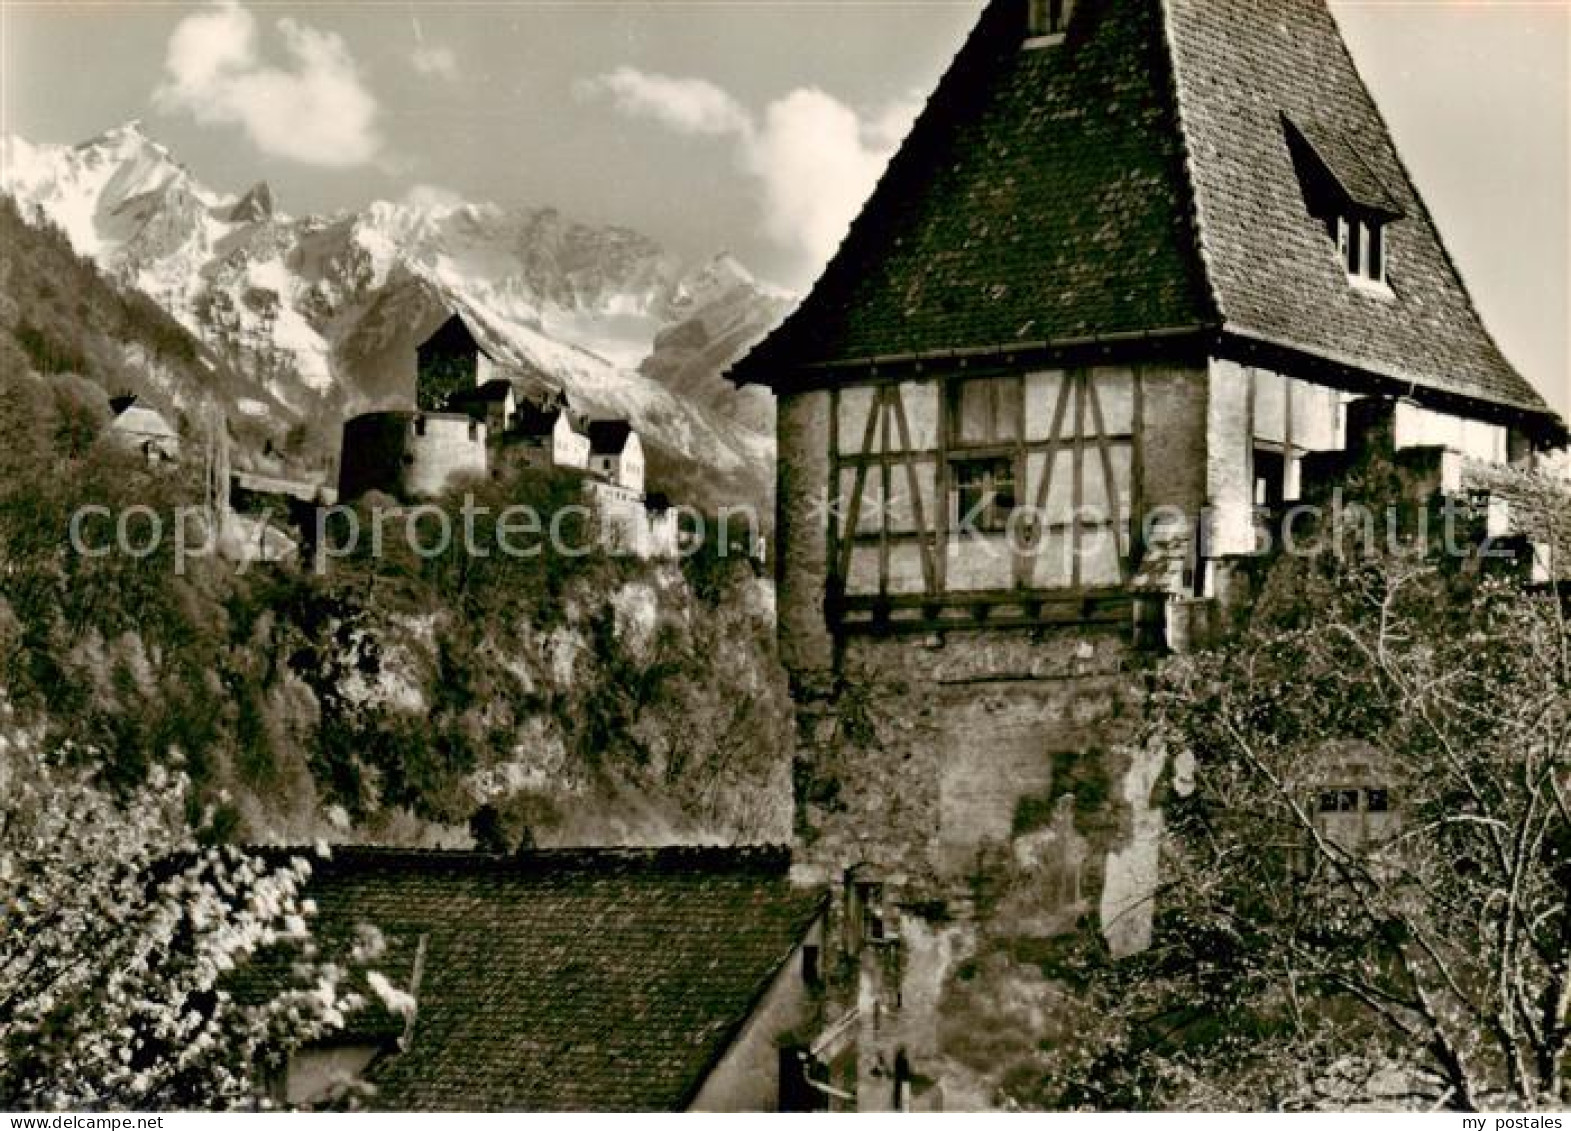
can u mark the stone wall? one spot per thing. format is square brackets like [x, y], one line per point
[923, 757]
[409, 454]
[989, 784]
[802, 532]
[994, 790]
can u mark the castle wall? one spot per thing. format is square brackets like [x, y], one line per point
[989, 777]
[932, 755]
[627, 526]
[410, 454]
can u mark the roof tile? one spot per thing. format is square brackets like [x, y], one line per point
[606, 979]
[1137, 179]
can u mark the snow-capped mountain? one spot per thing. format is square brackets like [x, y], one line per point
[323, 313]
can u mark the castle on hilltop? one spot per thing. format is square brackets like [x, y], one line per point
[467, 415]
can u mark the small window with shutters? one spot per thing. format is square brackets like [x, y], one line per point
[984, 440]
[1360, 245]
[1046, 21]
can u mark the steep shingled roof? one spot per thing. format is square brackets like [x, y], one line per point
[609, 437]
[1355, 181]
[1138, 178]
[1039, 196]
[1240, 65]
[572, 979]
[453, 337]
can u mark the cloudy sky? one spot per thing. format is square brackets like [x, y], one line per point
[752, 125]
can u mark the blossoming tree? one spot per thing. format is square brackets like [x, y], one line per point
[119, 930]
[1367, 860]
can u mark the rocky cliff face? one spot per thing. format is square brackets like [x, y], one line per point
[322, 313]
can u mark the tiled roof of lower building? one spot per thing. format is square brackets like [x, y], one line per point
[594, 979]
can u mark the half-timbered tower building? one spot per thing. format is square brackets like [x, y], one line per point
[1138, 268]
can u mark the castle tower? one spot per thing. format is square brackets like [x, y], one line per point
[451, 360]
[1118, 287]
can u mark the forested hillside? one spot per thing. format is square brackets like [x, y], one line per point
[59, 315]
[559, 699]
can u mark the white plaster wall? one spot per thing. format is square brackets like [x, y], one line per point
[1229, 460]
[1422, 427]
[747, 1078]
[568, 447]
[856, 401]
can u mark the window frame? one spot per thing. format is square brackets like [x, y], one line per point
[1360, 247]
[1047, 21]
[1001, 445]
[985, 493]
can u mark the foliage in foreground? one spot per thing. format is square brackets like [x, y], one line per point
[1314, 947]
[120, 930]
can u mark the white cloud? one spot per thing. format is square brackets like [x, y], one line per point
[431, 196]
[888, 128]
[437, 62]
[314, 109]
[813, 158]
[690, 106]
[817, 161]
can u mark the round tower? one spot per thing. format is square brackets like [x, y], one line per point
[409, 454]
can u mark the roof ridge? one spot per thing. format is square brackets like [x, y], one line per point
[1187, 163]
[749, 857]
[1423, 208]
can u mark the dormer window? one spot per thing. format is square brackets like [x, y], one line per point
[1361, 245]
[1046, 21]
[1345, 193]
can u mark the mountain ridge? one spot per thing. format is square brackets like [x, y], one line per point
[322, 312]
